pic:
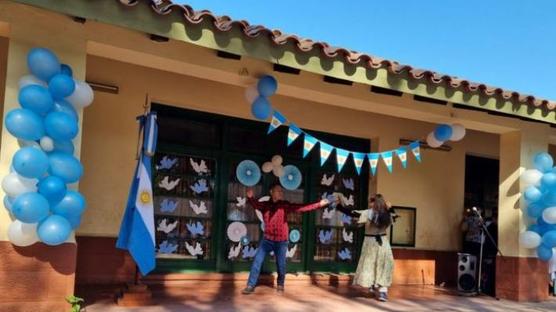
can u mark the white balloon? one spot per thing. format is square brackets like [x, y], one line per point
[251, 93]
[277, 160]
[529, 239]
[22, 234]
[267, 167]
[549, 215]
[432, 141]
[531, 177]
[82, 96]
[14, 185]
[278, 170]
[31, 80]
[458, 132]
[47, 144]
[25, 143]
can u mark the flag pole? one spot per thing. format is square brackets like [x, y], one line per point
[146, 110]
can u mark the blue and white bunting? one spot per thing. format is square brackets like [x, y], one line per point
[416, 150]
[402, 155]
[373, 161]
[325, 151]
[277, 120]
[341, 157]
[358, 159]
[293, 133]
[387, 158]
[308, 144]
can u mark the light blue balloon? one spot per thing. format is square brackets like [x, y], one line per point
[75, 221]
[549, 198]
[8, 203]
[25, 124]
[261, 108]
[543, 162]
[43, 63]
[36, 98]
[443, 132]
[61, 85]
[65, 166]
[548, 180]
[54, 230]
[64, 107]
[53, 189]
[66, 70]
[30, 162]
[30, 207]
[64, 147]
[73, 204]
[544, 253]
[267, 85]
[61, 126]
[532, 194]
[534, 210]
[549, 239]
[535, 228]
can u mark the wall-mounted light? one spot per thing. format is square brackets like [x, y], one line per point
[100, 87]
[423, 144]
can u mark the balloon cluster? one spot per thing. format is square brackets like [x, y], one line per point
[258, 95]
[45, 125]
[275, 166]
[444, 133]
[540, 196]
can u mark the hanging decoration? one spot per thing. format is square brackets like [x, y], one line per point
[445, 132]
[258, 97]
[275, 166]
[276, 121]
[291, 179]
[236, 230]
[295, 236]
[248, 173]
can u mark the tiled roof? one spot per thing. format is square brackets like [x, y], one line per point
[225, 24]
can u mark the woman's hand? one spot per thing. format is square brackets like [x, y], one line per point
[249, 193]
[324, 202]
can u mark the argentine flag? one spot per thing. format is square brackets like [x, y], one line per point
[137, 229]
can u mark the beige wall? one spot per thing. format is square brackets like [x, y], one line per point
[435, 186]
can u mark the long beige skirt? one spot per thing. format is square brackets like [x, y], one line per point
[376, 264]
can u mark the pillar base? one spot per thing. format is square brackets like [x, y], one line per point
[135, 295]
[521, 279]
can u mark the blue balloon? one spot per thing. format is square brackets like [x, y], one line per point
[30, 207]
[65, 107]
[8, 203]
[25, 124]
[54, 230]
[66, 70]
[532, 194]
[267, 85]
[43, 63]
[549, 239]
[61, 86]
[30, 162]
[535, 228]
[64, 147]
[75, 221]
[549, 198]
[543, 162]
[548, 180]
[544, 253]
[52, 188]
[36, 98]
[65, 166]
[261, 108]
[535, 210]
[73, 204]
[61, 126]
[443, 132]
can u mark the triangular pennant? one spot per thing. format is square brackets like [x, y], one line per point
[402, 155]
[387, 157]
[416, 150]
[358, 159]
[325, 151]
[277, 120]
[373, 161]
[293, 133]
[341, 157]
[308, 144]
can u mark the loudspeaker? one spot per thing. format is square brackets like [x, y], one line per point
[467, 273]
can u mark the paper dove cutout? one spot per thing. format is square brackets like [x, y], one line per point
[248, 252]
[165, 184]
[346, 219]
[347, 201]
[345, 254]
[197, 251]
[196, 228]
[328, 213]
[167, 248]
[200, 168]
[331, 199]
[168, 205]
[199, 186]
[348, 184]
[291, 252]
[198, 209]
[163, 226]
[264, 199]
[241, 201]
[166, 163]
[234, 251]
[348, 236]
[327, 180]
[325, 236]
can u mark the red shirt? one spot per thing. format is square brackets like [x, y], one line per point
[275, 216]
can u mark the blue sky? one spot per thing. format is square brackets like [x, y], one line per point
[507, 43]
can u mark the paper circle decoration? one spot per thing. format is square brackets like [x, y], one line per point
[236, 230]
[248, 173]
[245, 240]
[291, 179]
[294, 236]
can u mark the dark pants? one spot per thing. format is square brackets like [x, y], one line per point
[265, 247]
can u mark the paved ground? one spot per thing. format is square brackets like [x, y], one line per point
[322, 299]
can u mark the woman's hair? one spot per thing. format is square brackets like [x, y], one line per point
[383, 218]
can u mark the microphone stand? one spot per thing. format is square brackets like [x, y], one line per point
[484, 230]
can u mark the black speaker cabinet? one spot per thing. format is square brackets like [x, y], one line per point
[467, 273]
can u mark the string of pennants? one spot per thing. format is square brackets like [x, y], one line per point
[342, 155]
